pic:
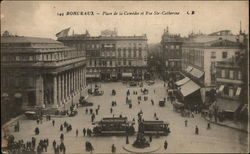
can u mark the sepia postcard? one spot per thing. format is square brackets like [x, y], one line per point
[124, 77]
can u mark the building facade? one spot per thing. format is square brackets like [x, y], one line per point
[40, 72]
[171, 45]
[200, 54]
[110, 56]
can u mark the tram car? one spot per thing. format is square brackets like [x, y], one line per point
[160, 128]
[114, 126]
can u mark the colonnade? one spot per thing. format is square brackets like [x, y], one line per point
[67, 84]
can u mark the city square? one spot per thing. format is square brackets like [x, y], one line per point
[124, 77]
[181, 139]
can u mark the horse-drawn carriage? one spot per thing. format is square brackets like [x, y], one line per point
[84, 102]
[32, 115]
[113, 92]
[155, 127]
[144, 91]
[114, 126]
[162, 103]
[95, 92]
[178, 106]
[88, 146]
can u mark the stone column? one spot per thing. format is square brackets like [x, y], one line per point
[63, 86]
[39, 90]
[59, 83]
[55, 90]
[78, 80]
[81, 78]
[66, 85]
[68, 82]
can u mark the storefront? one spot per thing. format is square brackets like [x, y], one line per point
[188, 92]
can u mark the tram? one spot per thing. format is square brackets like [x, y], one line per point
[114, 126]
[155, 128]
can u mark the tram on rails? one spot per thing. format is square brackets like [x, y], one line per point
[160, 128]
[114, 126]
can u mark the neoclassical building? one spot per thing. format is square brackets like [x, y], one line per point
[40, 72]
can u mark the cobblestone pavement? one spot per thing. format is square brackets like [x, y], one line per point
[181, 139]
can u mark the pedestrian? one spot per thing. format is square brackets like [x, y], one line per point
[113, 148]
[186, 123]
[196, 130]
[139, 102]
[37, 121]
[96, 111]
[53, 123]
[98, 107]
[155, 115]
[86, 111]
[150, 138]
[165, 145]
[84, 131]
[18, 126]
[111, 110]
[61, 127]
[91, 111]
[208, 125]
[192, 114]
[76, 132]
[152, 102]
[62, 136]
[127, 141]
[54, 144]
[36, 130]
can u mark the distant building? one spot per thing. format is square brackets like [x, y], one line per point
[40, 72]
[171, 45]
[110, 56]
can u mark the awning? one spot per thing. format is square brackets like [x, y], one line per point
[238, 91]
[221, 88]
[227, 105]
[128, 75]
[92, 75]
[189, 88]
[196, 73]
[189, 68]
[5, 95]
[245, 107]
[182, 81]
[18, 95]
[178, 104]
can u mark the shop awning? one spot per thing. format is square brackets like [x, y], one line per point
[189, 88]
[196, 73]
[127, 75]
[227, 105]
[5, 95]
[92, 75]
[238, 91]
[189, 68]
[221, 88]
[182, 81]
[245, 107]
[18, 95]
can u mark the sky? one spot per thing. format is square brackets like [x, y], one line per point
[41, 19]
